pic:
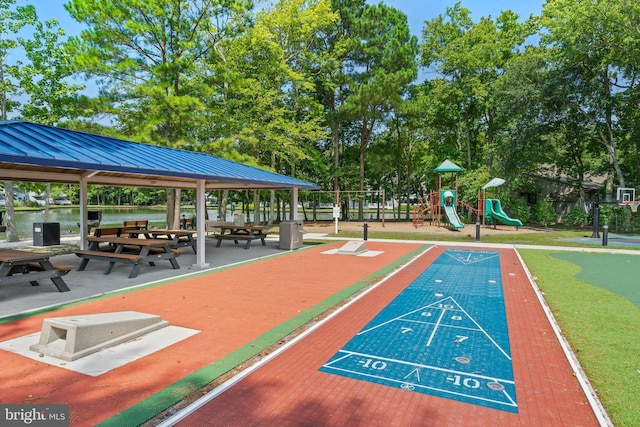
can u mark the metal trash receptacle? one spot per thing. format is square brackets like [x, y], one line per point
[46, 233]
[291, 235]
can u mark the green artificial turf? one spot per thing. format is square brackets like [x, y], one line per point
[602, 328]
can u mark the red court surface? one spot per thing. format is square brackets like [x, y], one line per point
[235, 306]
[230, 307]
[291, 391]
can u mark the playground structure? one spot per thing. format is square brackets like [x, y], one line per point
[493, 212]
[492, 208]
[442, 204]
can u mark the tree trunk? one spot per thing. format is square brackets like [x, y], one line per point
[173, 208]
[10, 220]
[256, 207]
[222, 205]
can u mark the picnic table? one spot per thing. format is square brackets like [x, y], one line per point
[128, 250]
[178, 238]
[21, 266]
[241, 232]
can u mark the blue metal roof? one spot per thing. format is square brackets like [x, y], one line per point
[32, 146]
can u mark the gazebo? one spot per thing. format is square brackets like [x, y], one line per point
[35, 152]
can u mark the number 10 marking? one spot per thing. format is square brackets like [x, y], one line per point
[467, 382]
[370, 363]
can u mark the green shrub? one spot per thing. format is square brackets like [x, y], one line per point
[545, 214]
[517, 208]
[620, 218]
[575, 218]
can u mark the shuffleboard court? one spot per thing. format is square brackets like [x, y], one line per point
[446, 335]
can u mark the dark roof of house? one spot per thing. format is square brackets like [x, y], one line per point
[35, 152]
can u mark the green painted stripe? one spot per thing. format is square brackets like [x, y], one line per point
[174, 393]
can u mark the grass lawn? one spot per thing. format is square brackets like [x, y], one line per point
[602, 328]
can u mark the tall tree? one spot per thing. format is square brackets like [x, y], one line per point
[44, 78]
[546, 134]
[410, 131]
[384, 62]
[11, 21]
[332, 79]
[590, 40]
[148, 54]
[471, 56]
[264, 103]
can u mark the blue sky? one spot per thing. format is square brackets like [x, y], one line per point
[417, 11]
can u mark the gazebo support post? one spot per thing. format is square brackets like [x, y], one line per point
[201, 205]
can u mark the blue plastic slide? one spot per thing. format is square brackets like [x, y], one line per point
[452, 216]
[493, 209]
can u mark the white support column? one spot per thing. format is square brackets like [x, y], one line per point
[83, 211]
[294, 203]
[201, 205]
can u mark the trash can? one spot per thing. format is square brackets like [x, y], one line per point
[291, 235]
[46, 233]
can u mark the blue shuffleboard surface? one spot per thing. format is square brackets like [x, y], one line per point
[445, 335]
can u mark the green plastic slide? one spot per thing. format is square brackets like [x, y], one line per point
[493, 209]
[452, 216]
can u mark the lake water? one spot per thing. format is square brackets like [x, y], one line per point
[69, 218]
[113, 216]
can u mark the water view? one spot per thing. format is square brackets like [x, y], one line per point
[69, 217]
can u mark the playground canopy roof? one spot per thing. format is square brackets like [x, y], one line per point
[495, 182]
[447, 166]
[36, 152]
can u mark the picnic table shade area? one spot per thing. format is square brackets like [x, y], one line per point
[128, 250]
[21, 266]
[241, 232]
[178, 238]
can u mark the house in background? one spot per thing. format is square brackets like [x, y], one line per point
[565, 192]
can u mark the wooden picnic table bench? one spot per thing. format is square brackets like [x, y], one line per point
[141, 224]
[178, 238]
[21, 266]
[113, 231]
[128, 250]
[241, 232]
